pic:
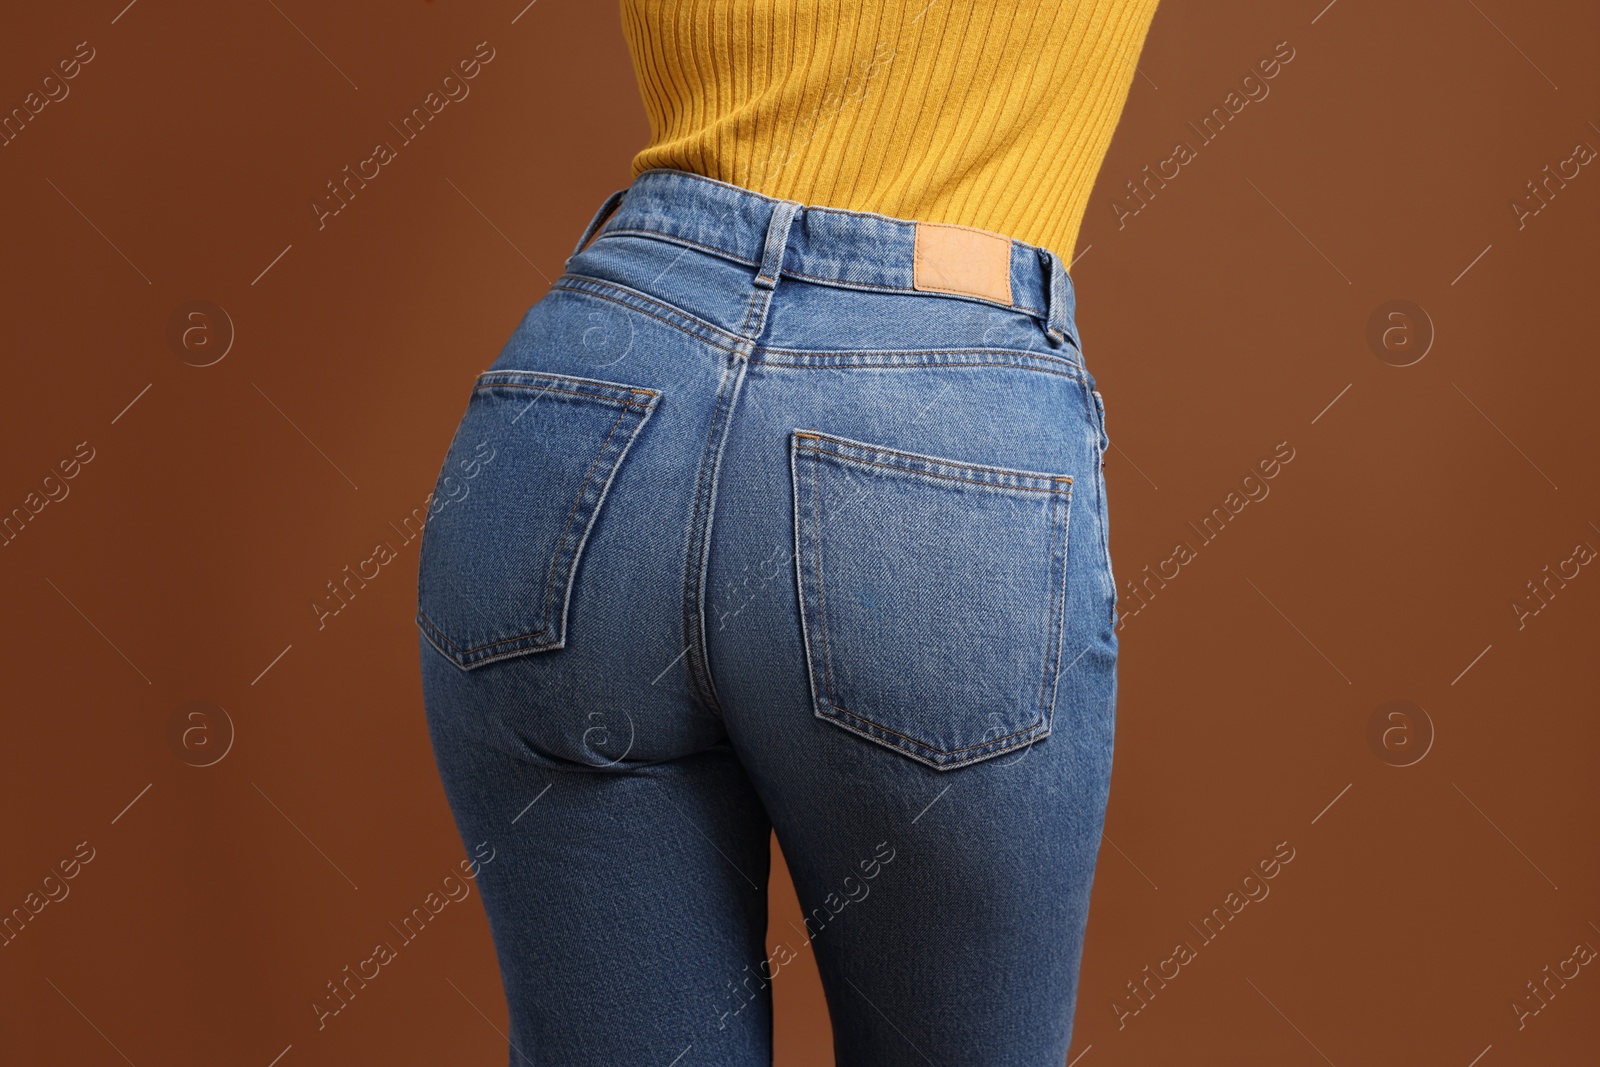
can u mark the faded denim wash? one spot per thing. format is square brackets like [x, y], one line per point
[742, 532]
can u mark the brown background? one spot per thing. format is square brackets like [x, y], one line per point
[1224, 318]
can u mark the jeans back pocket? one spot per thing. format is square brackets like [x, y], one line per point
[933, 596]
[522, 485]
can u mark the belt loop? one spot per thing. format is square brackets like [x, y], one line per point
[597, 221]
[777, 243]
[1058, 307]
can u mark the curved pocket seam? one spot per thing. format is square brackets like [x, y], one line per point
[566, 556]
[555, 562]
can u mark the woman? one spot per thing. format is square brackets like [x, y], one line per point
[783, 509]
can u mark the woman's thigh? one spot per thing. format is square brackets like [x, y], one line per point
[622, 902]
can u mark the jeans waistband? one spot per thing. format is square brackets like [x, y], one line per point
[832, 246]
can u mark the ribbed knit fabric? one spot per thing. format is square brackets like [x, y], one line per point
[977, 112]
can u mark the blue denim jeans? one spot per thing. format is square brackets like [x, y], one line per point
[768, 517]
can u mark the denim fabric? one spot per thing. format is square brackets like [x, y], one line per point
[743, 532]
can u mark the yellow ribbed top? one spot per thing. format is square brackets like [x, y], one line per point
[987, 114]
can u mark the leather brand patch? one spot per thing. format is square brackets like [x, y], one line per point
[962, 259]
